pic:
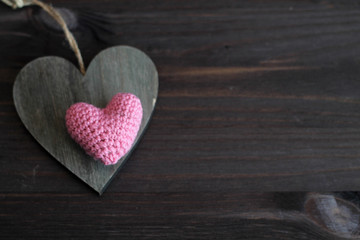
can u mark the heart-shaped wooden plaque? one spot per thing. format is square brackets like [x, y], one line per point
[46, 87]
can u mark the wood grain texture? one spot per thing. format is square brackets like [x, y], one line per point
[46, 87]
[253, 96]
[161, 216]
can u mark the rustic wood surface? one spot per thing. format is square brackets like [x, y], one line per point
[256, 96]
[46, 87]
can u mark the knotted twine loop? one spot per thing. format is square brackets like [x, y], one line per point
[58, 18]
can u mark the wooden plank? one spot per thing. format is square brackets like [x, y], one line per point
[172, 216]
[261, 104]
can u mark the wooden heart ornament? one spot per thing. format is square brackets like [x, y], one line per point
[116, 97]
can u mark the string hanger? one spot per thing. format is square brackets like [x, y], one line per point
[15, 4]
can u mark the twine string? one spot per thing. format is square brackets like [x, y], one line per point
[58, 18]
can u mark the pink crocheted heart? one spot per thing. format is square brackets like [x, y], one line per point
[106, 134]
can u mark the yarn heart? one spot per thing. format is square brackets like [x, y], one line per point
[106, 134]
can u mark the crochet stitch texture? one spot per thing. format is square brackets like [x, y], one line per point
[106, 134]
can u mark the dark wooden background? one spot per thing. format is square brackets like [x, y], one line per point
[256, 99]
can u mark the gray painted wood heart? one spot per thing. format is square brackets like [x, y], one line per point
[46, 87]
